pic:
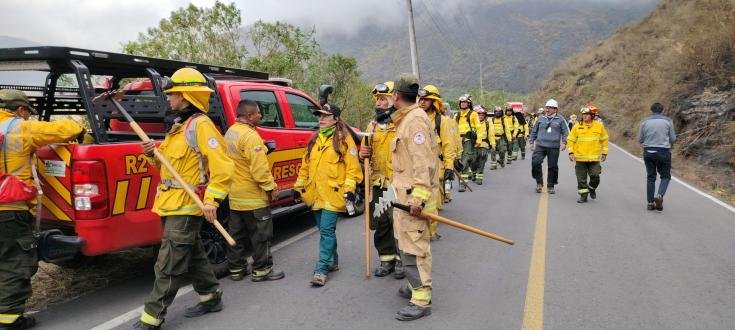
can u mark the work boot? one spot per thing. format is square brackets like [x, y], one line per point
[204, 307]
[385, 268]
[435, 237]
[493, 167]
[412, 312]
[461, 188]
[523, 155]
[651, 206]
[551, 190]
[582, 198]
[478, 182]
[502, 164]
[274, 275]
[539, 187]
[140, 325]
[22, 322]
[318, 280]
[593, 194]
[658, 201]
[238, 275]
[334, 268]
[404, 292]
[399, 272]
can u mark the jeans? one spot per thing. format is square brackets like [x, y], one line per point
[658, 160]
[326, 222]
[538, 159]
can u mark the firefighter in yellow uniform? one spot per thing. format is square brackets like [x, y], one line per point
[19, 140]
[511, 127]
[588, 141]
[457, 142]
[486, 134]
[376, 147]
[252, 188]
[468, 124]
[430, 100]
[521, 137]
[498, 155]
[414, 165]
[196, 150]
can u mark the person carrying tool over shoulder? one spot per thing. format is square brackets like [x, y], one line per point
[376, 147]
[328, 177]
[468, 125]
[414, 175]
[253, 187]
[196, 149]
[587, 143]
[486, 133]
[19, 140]
[431, 102]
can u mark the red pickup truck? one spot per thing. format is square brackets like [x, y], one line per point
[102, 190]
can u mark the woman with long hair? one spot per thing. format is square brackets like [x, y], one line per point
[329, 174]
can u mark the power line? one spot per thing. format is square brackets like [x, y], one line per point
[436, 31]
[438, 26]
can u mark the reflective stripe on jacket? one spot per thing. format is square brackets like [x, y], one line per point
[380, 160]
[252, 178]
[588, 141]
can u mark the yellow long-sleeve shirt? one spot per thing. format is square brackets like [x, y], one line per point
[588, 141]
[380, 161]
[252, 179]
[466, 125]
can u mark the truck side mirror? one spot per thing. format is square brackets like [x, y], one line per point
[324, 91]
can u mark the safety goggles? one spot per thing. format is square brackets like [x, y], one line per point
[585, 110]
[381, 89]
[424, 93]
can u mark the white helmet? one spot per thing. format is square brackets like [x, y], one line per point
[552, 103]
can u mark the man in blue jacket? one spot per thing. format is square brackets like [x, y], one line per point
[656, 135]
[548, 137]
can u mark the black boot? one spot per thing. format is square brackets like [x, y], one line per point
[22, 322]
[140, 325]
[593, 194]
[582, 198]
[404, 292]
[274, 275]
[399, 272]
[204, 307]
[539, 187]
[412, 312]
[385, 268]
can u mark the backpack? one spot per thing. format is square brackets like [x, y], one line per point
[12, 189]
[471, 135]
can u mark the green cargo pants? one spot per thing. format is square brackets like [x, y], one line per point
[497, 155]
[181, 257]
[18, 263]
[468, 157]
[478, 166]
[584, 169]
[256, 226]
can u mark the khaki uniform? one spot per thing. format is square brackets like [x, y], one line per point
[18, 258]
[250, 215]
[182, 255]
[414, 163]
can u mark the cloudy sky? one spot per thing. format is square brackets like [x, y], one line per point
[105, 24]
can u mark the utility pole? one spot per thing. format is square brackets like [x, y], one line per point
[481, 82]
[412, 40]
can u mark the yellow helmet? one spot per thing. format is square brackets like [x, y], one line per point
[192, 85]
[431, 92]
[385, 89]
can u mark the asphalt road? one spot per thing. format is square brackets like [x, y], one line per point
[606, 264]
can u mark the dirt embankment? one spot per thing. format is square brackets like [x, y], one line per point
[681, 55]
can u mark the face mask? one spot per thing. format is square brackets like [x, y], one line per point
[383, 117]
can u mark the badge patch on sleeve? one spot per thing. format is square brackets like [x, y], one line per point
[212, 142]
[353, 151]
[419, 138]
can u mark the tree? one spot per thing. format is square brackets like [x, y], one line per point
[194, 34]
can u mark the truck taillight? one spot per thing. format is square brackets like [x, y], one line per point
[89, 184]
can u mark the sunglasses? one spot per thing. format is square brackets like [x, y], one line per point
[424, 93]
[381, 89]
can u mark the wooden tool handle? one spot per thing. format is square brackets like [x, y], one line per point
[366, 164]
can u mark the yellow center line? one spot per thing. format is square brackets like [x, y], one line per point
[533, 312]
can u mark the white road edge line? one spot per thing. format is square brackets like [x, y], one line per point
[706, 195]
[130, 315]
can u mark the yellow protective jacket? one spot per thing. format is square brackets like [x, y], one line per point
[22, 140]
[486, 134]
[252, 179]
[465, 125]
[172, 199]
[414, 157]
[324, 177]
[512, 126]
[454, 128]
[587, 141]
[381, 169]
[445, 140]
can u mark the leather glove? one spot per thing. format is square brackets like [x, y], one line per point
[350, 196]
[571, 157]
[603, 157]
[448, 175]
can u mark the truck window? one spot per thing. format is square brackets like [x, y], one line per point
[302, 111]
[268, 107]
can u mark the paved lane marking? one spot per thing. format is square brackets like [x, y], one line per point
[692, 188]
[533, 311]
[135, 313]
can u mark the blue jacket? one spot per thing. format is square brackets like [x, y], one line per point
[657, 131]
[550, 132]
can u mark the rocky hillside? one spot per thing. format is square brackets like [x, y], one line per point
[518, 41]
[682, 55]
